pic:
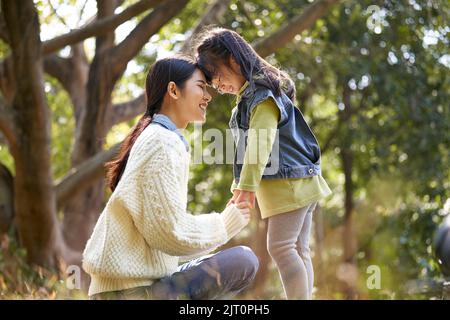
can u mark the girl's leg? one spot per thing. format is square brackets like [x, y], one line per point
[282, 237]
[214, 276]
[304, 250]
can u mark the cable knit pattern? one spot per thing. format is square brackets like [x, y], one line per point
[145, 229]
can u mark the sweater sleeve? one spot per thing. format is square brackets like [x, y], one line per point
[164, 222]
[261, 136]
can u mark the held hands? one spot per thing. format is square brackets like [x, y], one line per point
[242, 198]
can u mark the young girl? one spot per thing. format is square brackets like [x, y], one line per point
[280, 164]
[144, 230]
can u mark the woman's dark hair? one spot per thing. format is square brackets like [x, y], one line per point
[215, 47]
[177, 69]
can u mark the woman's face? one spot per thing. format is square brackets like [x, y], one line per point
[228, 79]
[195, 98]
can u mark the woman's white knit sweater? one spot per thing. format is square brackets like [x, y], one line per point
[144, 230]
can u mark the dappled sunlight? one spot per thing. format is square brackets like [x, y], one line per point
[372, 83]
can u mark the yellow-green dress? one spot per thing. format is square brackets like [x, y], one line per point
[274, 196]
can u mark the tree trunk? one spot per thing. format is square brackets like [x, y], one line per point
[349, 239]
[79, 69]
[33, 186]
[6, 199]
[348, 236]
[82, 210]
[319, 236]
[7, 80]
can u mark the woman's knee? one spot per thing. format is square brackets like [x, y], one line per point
[243, 264]
[246, 259]
[246, 265]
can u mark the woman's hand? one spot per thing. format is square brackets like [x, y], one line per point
[243, 197]
[244, 209]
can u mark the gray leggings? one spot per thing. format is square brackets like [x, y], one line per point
[288, 245]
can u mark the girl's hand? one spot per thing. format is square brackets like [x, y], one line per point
[234, 197]
[245, 196]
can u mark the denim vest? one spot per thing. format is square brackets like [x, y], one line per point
[295, 152]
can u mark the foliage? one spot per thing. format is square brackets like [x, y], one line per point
[19, 280]
[394, 64]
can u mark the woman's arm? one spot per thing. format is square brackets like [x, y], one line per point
[167, 226]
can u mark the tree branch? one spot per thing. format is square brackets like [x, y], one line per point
[98, 27]
[293, 27]
[58, 68]
[56, 13]
[127, 110]
[83, 175]
[133, 43]
[81, 12]
[213, 15]
[105, 41]
[72, 74]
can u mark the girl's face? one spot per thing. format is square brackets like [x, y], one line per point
[228, 79]
[194, 98]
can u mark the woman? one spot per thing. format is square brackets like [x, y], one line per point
[144, 230]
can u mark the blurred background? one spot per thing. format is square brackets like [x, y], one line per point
[372, 80]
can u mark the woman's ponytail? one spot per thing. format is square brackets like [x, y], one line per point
[116, 167]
